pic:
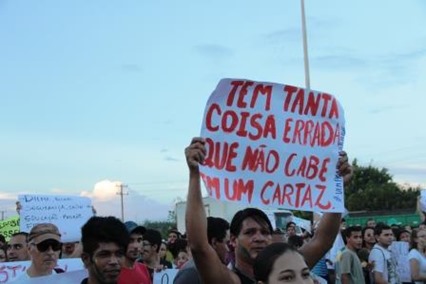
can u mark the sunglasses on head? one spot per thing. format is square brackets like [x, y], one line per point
[44, 245]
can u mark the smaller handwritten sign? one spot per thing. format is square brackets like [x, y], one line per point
[165, 277]
[68, 213]
[9, 227]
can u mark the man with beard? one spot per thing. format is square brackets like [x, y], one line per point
[151, 251]
[348, 265]
[251, 230]
[134, 272]
[104, 241]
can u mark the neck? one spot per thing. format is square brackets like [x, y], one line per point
[383, 246]
[351, 248]
[128, 263]
[369, 246]
[33, 272]
[244, 267]
[153, 261]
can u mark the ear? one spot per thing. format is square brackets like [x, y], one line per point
[214, 242]
[233, 240]
[85, 257]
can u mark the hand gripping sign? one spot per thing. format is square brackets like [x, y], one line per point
[273, 145]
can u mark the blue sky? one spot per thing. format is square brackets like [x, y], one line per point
[96, 90]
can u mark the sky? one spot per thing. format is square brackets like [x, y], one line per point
[100, 93]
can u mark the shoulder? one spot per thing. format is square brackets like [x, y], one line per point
[413, 254]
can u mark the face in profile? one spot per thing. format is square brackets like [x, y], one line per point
[290, 267]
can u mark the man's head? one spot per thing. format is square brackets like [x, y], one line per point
[134, 247]
[17, 247]
[44, 247]
[151, 245]
[104, 241]
[290, 229]
[383, 234]
[353, 237]
[218, 236]
[251, 232]
[371, 223]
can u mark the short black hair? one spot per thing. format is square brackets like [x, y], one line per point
[256, 214]
[266, 258]
[103, 230]
[25, 234]
[295, 240]
[216, 228]
[154, 237]
[380, 228]
[291, 223]
[348, 231]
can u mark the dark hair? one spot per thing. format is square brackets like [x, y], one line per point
[348, 231]
[103, 230]
[363, 233]
[414, 233]
[266, 258]
[380, 228]
[400, 232]
[216, 228]
[291, 223]
[25, 234]
[256, 214]
[177, 246]
[154, 237]
[295, 240]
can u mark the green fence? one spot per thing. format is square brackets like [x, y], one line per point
[404, 219]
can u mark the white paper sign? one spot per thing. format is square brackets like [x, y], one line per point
[68, 213]
[12, 271]
[273, 145]
[400, 252]
[165, 277]
[302, 223]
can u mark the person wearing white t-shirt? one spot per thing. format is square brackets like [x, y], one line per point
[417, 256]
[384, 265]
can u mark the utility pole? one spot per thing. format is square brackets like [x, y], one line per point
[2, 214]
[121, 193]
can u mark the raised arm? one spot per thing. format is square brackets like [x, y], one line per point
[208, 263]
[329, 225]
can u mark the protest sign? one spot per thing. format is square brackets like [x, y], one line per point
[165, 277]
[400, 251]
[273, 145]
[68, 213]
[12, 271]
[9, 227]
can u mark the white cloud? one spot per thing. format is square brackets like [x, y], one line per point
[137, 207]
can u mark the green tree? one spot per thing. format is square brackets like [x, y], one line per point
[373, 189]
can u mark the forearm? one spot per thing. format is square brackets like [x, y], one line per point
[345, 279]
[195, 215]
[323, 238]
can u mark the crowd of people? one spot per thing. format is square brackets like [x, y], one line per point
[245, 250]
